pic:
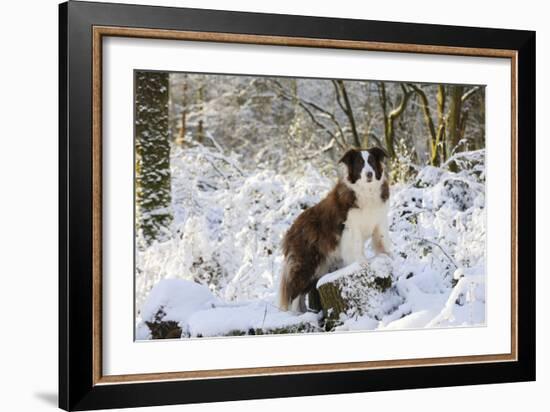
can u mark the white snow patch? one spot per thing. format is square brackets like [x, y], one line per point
[178, 299]
[252, 316]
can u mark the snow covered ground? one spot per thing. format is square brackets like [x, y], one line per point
[217, 274]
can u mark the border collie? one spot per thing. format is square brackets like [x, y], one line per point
[332, 234]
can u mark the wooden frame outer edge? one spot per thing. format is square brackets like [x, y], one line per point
[100, 31]
[514, 217]
[297, 41]
[97, 230]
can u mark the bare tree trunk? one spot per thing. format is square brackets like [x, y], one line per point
[441, 140]
[200, 127]
[347, 109]
[391, 117]
[433, 135]
[183, 127]
[454, 119]
[367, 133]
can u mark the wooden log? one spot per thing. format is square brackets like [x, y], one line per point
[168, 329]
[353, 291]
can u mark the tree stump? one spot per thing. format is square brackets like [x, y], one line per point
[355, 290]
[164, 330]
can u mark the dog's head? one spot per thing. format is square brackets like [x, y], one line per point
[364, 166]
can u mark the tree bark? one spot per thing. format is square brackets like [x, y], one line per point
[200, 127]
[352, 294]
[152, 154]
[433, 134]
[454, 119]
[347, 109]
[391, 117]
[441, 140]
[183, 127]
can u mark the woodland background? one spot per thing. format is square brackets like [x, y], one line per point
[224, 164]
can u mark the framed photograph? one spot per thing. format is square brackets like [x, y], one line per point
[257, 205]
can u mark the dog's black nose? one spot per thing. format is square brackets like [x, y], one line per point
[369, 175]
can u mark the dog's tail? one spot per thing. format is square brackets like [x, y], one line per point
[284, 292]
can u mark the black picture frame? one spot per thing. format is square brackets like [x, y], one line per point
[77, 390]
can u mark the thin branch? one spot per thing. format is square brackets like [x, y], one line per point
[226, 179]
[301, 99]
[470, 93]
[440, 247]
[214, 141]
[401, 107]
[305, 105]
[376, 138]
[324, 149]
[428, 119]
[230, 162]
[322, 126]
[338, 98]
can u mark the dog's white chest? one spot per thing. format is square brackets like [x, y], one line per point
[360, 225]
[365, 219]
[370, 211]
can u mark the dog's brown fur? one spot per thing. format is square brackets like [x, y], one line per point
[312, 237]
[385, 191]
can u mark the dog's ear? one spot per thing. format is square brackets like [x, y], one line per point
[348, 157]
[378, 153]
